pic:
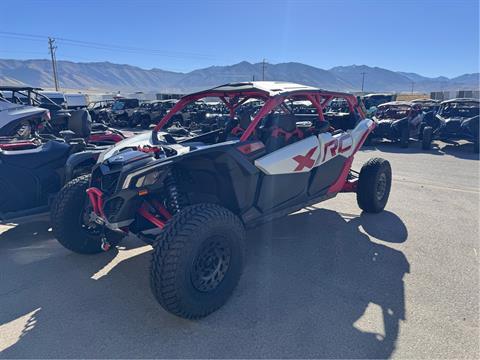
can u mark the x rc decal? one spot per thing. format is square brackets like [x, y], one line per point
[305, 160]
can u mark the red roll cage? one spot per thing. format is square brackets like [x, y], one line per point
[273, 93]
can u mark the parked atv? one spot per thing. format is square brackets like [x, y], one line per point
[99, 110]
[34, 168]
[52, 122]
[122, 111]
[192, 200]
[457, 119]
[20, 121]
[400, 121]
[150, 113]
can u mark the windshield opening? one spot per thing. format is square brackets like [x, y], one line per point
[462, 110]
[392, 112]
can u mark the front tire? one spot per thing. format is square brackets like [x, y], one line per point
[68, 214]
[374, 183]
[197, 260]
[145, 122]
[427, 135]
[404, 137]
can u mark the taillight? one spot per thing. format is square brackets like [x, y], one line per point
[250, 147]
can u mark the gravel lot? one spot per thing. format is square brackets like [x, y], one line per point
[324, 282]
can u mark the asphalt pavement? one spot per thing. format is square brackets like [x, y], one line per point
[325, 282]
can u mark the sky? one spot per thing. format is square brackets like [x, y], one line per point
[429, 37]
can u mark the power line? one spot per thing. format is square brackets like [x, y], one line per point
[103, 46]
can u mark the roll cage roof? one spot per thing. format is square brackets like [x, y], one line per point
[397, 103]
[460, 100]
[27, 91]
[274, 93]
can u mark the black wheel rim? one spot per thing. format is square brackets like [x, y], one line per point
[86, 222]
[211, 264]
[381, 186]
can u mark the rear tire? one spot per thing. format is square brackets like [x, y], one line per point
[427, 134]
[404, 137]
[145, 122]
[197, 260]
[374, 183]
[67, 215]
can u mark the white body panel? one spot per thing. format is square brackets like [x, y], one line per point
[143, 139]
[304, 155]
[10, 112]
[77, 100]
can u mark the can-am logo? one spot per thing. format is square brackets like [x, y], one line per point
[337, 146]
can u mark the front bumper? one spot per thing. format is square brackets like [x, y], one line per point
[106, 215]
[458, 130]
[387, 130]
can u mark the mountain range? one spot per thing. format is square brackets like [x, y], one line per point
[106, 76]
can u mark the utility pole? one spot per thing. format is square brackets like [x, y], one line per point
[363, 79]
[263, 70]
[53, 48]
[413, 84]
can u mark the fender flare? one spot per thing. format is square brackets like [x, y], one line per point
[81, 158]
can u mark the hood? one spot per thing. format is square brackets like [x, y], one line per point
[388, 120]
[139, 140]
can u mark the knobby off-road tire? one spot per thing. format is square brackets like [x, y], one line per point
[427, 135]
[404, 137]
[68, 220]
[145, 122]
[374, 183]
[197, 260]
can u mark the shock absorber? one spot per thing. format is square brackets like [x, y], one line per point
[175, 198]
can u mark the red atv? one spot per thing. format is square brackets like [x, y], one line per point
[192, 200]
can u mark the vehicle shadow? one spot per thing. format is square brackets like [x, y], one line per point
[310, 288]
[461, 150]
[414, 147]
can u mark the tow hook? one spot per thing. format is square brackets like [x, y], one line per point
[105, 246]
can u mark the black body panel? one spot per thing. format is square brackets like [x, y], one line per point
[28, 180]
[276, 190]
[325, 175]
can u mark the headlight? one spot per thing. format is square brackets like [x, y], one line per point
[142, 179]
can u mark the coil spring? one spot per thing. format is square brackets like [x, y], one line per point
[174, 197]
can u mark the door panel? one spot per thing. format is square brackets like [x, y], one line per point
[298, 157]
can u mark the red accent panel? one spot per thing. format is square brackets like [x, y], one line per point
[305, 160]
[96, 199]
[19, 145]
[107, 136]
